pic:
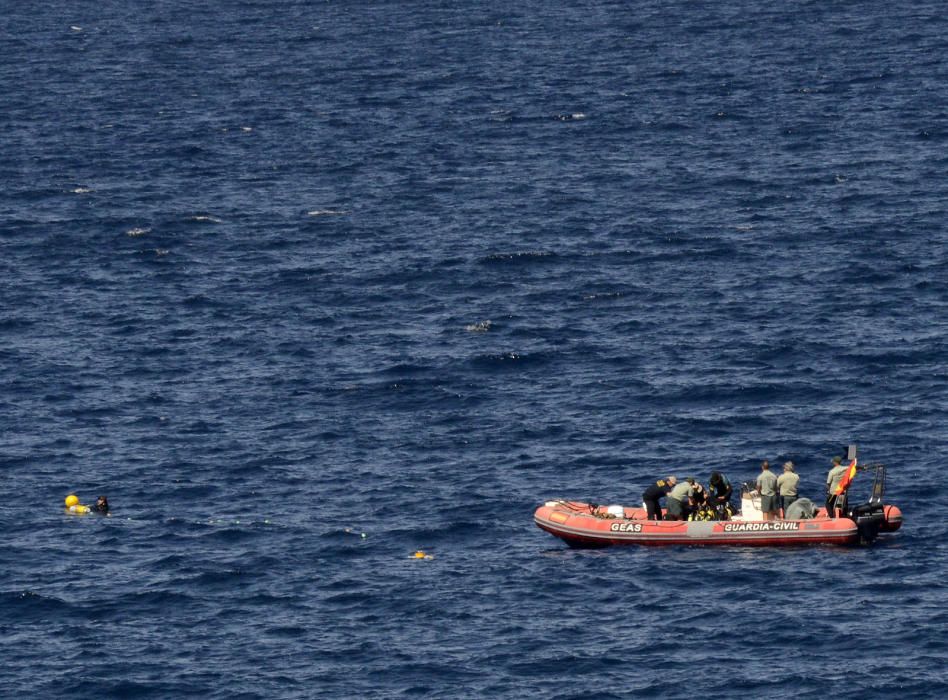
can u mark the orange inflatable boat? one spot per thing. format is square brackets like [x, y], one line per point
[589, 525]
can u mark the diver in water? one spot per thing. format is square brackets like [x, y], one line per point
[101, 506]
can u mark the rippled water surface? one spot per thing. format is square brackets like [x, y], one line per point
[305, 287]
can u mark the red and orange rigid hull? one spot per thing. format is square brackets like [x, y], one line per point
[579, 525]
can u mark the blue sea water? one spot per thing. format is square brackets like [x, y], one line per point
[305, 287]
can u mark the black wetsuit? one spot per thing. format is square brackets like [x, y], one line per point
[721, 491]
[654, 492]
[719, 494]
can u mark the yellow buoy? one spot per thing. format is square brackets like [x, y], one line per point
[72, 500]
[419, 554]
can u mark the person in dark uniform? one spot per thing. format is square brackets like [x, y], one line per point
[720, 490]
[654, 492]
[719, 496]
[699, 509]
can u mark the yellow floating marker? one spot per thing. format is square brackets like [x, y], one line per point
[421, 555]
[73, 506]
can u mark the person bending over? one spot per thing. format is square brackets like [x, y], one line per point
[679, 500]
[656, 491]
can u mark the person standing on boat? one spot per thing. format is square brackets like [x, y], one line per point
[653, 493]
[787, 487]
[719, 493]
[833, 478]
[679, 500]
[767, 486]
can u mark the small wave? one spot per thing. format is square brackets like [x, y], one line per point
[203, 301]
[575, 116]
[733, 116]
[523, 256]
[15, 323]
[137, 231]
[226, 576]
[30, 603]
[82, 190]
[286, 631]
[510, 359]
[668, 126]
[479, 327]
[931, 134]
[327, 212]
[405, 368]
[602, 295]
[206, 218]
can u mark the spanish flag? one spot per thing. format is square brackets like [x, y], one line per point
[846, 480]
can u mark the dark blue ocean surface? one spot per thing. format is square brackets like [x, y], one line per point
[277, 274]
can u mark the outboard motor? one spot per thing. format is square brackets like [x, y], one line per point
[869, 520]
[870, 516]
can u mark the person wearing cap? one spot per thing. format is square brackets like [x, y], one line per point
[653, 493]
[787, 487]
[833, 478]
[767, 486]
[679, 500]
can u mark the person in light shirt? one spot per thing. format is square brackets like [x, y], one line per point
[787, 487]
[679, 500]
[767, 486]
[833, 478]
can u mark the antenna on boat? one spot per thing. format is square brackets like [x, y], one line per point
[878, 485]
